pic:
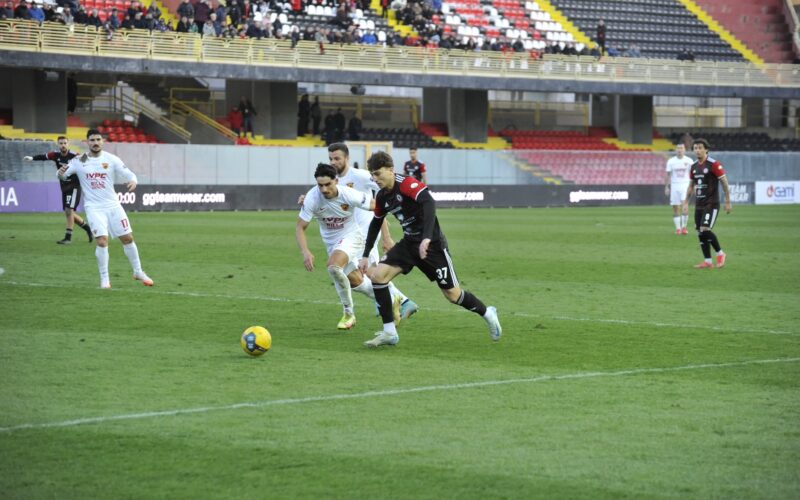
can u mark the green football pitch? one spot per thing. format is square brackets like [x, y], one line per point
[622, 372]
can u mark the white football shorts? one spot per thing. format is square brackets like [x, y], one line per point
[353, 246]
[677, 193]
[109, 221]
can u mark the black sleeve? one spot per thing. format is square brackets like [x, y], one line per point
[425, 199]
[40, 157]
[372, 235]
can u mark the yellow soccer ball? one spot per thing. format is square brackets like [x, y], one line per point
[256, 340]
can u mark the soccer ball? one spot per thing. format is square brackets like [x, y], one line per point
[256, 340]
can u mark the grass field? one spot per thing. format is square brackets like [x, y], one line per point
[623, 372]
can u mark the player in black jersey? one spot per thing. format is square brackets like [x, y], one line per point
[423, 246]
[70, 189]
[414, 167]
[706, 174]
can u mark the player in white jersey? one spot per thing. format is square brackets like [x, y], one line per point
[333, 206]
[677, 181]
[361, 180]
[97, 171]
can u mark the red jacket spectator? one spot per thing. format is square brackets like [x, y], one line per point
[236, 119]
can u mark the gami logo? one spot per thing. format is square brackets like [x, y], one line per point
[780, 193]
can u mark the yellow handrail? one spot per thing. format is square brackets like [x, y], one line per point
[178, 107]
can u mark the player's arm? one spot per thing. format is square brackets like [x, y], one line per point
[689, 192]
[302, 242]
[67, 170]
[372, 235]
[425, 199]
[667, 182]
[37, 157]
[386, 236]
[424, 172]
[725, 187]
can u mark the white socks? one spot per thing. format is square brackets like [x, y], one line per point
[684, 220]
[396, 293]
[677, 221]
[133, 257]
[366, 288]
[342, 285]
[102, 263]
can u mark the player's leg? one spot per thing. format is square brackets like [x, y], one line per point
[712, 238]
[684, 211]
[337, 261]
[67, 203]
[99, 222]
[439, 267]
[702, 218]
[381, 275]
[75, 200]
[407, 307]
[120, 227]
[676, 218]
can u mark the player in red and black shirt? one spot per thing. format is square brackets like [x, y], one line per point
[423, 246]
[415, 168]
[706, 174]
[70, 189]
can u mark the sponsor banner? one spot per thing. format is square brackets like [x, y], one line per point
[742, 193]
[777, 192]
[30, 197]
[45, 197]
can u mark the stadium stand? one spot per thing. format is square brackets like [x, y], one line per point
[660, 28]
[742, 141]
[596, 168]
[556, 139]
[760, 24]
[403, 138]
[122, 131]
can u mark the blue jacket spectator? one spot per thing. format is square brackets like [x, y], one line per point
[36, 12]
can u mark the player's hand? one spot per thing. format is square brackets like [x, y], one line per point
[27, 158]
[308, 261]
[301, 199]
[62, 171]
[728, 206]
[131, 186]
[423, 248]
[363, 265]
[666, 190]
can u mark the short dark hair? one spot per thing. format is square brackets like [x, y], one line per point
[325, 170]
[92, 131]
[339, 146]
[61, 137]
[412, 148]
[703, 142]
[379, 160]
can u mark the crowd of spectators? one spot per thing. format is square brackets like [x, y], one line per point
[263, 19]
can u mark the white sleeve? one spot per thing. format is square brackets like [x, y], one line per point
[365, 181]
[123, 171]
[355, 198]
[669, 166]
[309, 205]
[72, 168]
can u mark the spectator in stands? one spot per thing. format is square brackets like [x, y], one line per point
[186, 9]
[342, 19]
[49, 13]
[235, 13]
[316, 115]
[134, 8]
[329, 132]
[22, 11]
[67, 19]
[94, 19]
[339, 124]
[601, 35]
[184, 26]
[633, 51]
[113, 23]
[154, 10]
[385, 8]
[369, 38]
[303, 115]
[569, 50]
[248, 111]
[127, 23]
[354, 128]
[295, 35]
[209, 29]
[686, 55]
[139, 21]
[201, 13]
[614, 52]
[7, 12]
[256, 30]
[221, 12]
[36, 13]
[72, 93]
[236, 120]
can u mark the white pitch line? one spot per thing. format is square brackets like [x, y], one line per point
[388, 392]
[655, 324]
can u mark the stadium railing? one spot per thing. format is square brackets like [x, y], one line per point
[190, 47]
